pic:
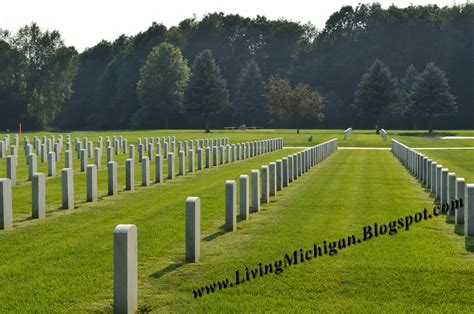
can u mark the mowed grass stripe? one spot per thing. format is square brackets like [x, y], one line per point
[410, 271]
[459, 161]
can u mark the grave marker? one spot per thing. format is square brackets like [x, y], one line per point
[230, 206]
[244, 197]
[145, 171]
[67, 180]
[125, 269]
[112, 177]
[91, 183]
[129, 175]
[265, 187]
[51, 164]
[6, 208]
[193, 229]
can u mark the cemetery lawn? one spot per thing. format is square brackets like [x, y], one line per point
[359, 138]
[65, 262]
[459, 161]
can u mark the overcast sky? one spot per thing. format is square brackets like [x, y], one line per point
[83, 23]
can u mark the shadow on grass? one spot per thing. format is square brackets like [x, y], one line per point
[426, 134]
[215, 235]
[166, 270]
[25, 219]
[459, 230]
[469, 243]
[450, 219]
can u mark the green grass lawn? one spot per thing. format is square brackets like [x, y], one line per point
[364, 138]
[65, 262]
[459, 161]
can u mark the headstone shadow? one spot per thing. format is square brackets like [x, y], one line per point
[469, 241]
[459, 230]
[215, 235]
[167, 269]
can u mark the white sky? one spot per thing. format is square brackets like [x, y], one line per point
[83, 23]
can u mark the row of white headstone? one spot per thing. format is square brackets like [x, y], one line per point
[383, 134]
[264, 185]
[119, 145]
[49, 150]
[6, 144]
[443, 184]
[347, 132]
[228, 154]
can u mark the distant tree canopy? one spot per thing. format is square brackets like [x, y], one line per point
[46, 68]
[206, 92]
[376, 93]
[160, 89]
[12, 87]
[59, 88]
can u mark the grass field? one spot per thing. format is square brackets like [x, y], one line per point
[64, 263]
[459, 161]
[361, 138]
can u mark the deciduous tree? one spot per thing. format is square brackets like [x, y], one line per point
[160, 89]
[49, 70]
[293, 104]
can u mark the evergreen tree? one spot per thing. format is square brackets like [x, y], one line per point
[376, 93]
[405, 87]
[206, 92]
[249, 104]
[430, 96]
[160, 90]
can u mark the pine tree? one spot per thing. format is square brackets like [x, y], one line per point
[376, 93]
[406, 85]
[206, 92]
[160, 90]
[430, 96]
[249, 104]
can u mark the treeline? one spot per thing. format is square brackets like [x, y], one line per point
[269, 73]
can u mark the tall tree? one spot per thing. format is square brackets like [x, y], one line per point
[160, 89]
[12, 87]
[430, 96]
[249, 104]
[49, 70]
[293, 104]
[81, 111]
[405, 87]
[117, 88]
[376, 93]
[206, 92]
